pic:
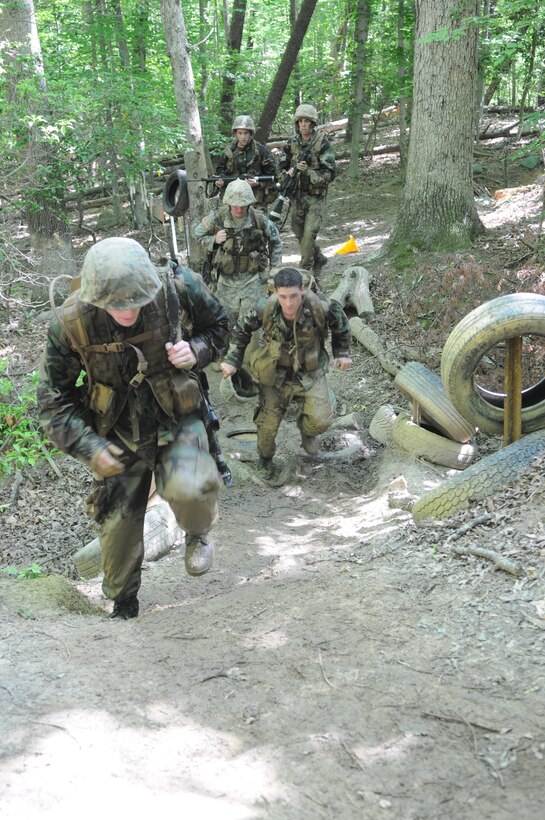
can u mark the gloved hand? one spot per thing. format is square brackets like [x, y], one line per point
[105, 463]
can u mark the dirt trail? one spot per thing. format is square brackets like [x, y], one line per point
[333, 664]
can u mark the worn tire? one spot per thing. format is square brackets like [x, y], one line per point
[517, 314]
[422, 443]
[418, 383]
[481, 479]
[381, 424]
[175, 194]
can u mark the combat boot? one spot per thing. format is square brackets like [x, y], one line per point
[125, 608]
[320, 260]
[199, 554]
[265, 467]
[310, 444]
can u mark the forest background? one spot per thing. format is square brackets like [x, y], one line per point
[337, 661]
[101, 99]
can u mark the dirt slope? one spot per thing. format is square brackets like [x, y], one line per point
[335, 663]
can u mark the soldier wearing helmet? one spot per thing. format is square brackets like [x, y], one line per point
[139, 335]
[292, 361]
[309, 157]
[246, 158]
[243, 244]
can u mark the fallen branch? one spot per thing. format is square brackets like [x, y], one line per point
[369, 339]
[491, 555]
[469, 525]
[16, 487]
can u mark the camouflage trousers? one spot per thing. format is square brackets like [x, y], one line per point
[306, 218]
[238, 294]
[315, 417]
[186, 477]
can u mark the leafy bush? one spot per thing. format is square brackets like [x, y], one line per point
[22, 443]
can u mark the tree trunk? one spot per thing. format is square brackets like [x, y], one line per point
[188, 112]
[141, 34]
[530, 58]
[233, 57]
[39, 175]
[136, 183]
[356, 114]
[296, 70]
[401, 73]
[438, 210]
[283, 72]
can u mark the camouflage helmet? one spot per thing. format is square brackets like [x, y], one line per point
[117, 274]
[306, 112]
[243, 122]
[239, 192]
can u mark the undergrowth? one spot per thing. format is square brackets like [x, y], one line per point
[21, 440]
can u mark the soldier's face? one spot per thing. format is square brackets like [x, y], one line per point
[305, 127]
[238, 211]
[125, 318]
[290, 300]
[243, 137]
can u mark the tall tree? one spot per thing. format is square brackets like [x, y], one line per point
[356, 113]
[272, 103]
[402, 75]
[234, 43]
[438, 209]
[39, 175]
[188, 111]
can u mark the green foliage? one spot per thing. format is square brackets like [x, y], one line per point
[110, 111]
[33, 571]
[22, 441]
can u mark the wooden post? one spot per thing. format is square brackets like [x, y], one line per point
[417, 415]
[512, 408]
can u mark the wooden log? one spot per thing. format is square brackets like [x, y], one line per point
[353, 289]
[369, 339]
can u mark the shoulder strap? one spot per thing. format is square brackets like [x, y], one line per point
[259, 219]
[270, 304]
[72, 321]
[317, 309]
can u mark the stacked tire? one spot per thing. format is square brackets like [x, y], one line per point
[442, 437]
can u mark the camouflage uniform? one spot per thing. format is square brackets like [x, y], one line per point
[254, 159]
[241, 263]
[310, 193]
[133, 397]
[291, 364]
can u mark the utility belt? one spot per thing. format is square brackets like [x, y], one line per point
[235, 265]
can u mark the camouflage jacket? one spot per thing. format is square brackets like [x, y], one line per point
[298, 345]
[235, 252]
[141, 413]
[319, 156]
[254, 159]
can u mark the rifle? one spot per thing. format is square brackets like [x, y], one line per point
[288, 188]
[212, 189]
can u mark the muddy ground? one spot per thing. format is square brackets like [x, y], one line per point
[336, 662]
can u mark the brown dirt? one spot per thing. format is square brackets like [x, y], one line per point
[336, 662]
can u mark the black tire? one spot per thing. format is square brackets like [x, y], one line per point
[422, 443]
[517, 314]
[481, 479]
[418, 383]
[175, 194]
